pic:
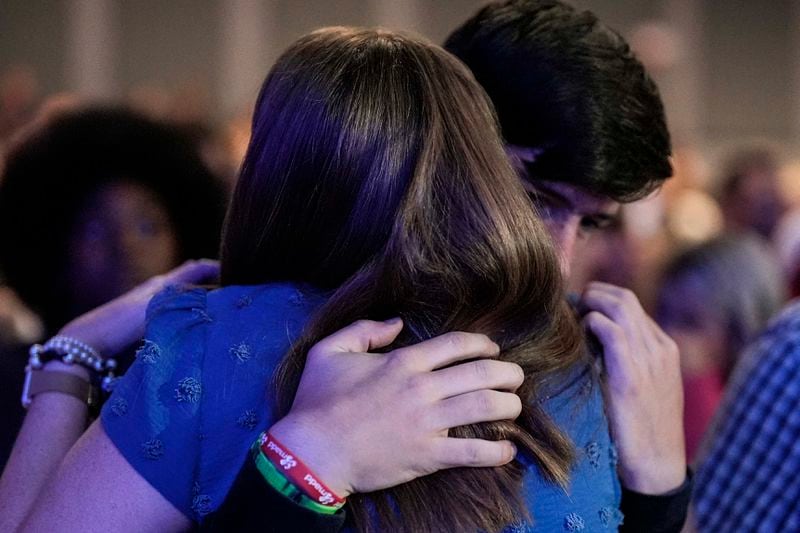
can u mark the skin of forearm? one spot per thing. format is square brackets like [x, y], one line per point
[53, 424]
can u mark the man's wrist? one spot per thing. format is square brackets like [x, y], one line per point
[309, 445]
[662, 513]
[274, 477]
[656, 479]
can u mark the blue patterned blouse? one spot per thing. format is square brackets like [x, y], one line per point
[186, 412]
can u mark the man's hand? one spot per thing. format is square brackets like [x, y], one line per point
[365, 421]
[643, 389]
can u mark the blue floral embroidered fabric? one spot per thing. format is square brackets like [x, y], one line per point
[591, 501]
[186, 412]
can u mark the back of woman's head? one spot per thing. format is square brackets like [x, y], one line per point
[376, 171]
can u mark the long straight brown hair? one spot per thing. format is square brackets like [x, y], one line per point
[376, 172]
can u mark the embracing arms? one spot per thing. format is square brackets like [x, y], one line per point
[93, 487]
[55, 421]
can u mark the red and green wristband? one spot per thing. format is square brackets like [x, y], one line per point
[291, 477]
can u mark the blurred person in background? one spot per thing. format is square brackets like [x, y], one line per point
[92, 203]
[116, 197]
[187, 108]
[786, 239]
[747, 468]
[749, 192]
[19, 96]
[714, 299]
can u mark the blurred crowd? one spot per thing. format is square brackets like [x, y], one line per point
[94, 200]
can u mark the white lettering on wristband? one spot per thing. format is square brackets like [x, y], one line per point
[287, 461]
[298, 473]
[325, 498]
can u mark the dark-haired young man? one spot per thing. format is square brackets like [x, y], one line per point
[585, 127]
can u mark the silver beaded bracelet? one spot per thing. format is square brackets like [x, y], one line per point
[72, 351]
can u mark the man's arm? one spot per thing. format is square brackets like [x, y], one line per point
[254, 505]
[384, 419]
[644, 396]
[350, 453]
[662, 513]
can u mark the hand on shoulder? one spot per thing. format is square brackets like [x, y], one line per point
[643, 389]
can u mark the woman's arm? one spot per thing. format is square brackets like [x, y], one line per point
[95, 489]
[55, 421]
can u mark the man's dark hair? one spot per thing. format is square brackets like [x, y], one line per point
[570, 87]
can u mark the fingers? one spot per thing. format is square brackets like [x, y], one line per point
[365, 335]
[191, 272]
[447, 349]
[619, 366]
[451, 452]
[614, 342]
[474, 407]
[608, 332]
[197, 271]
[361, 336]
[619, 304]
[623, 307]
[474, 376]
[643, 335]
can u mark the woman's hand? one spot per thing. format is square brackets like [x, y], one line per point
[366, 421]
[112, 327]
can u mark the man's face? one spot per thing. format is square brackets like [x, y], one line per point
[571, 214]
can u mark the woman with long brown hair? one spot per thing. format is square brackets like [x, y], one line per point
[375, 186]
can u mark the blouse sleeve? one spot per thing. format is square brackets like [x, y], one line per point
[152, 417]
